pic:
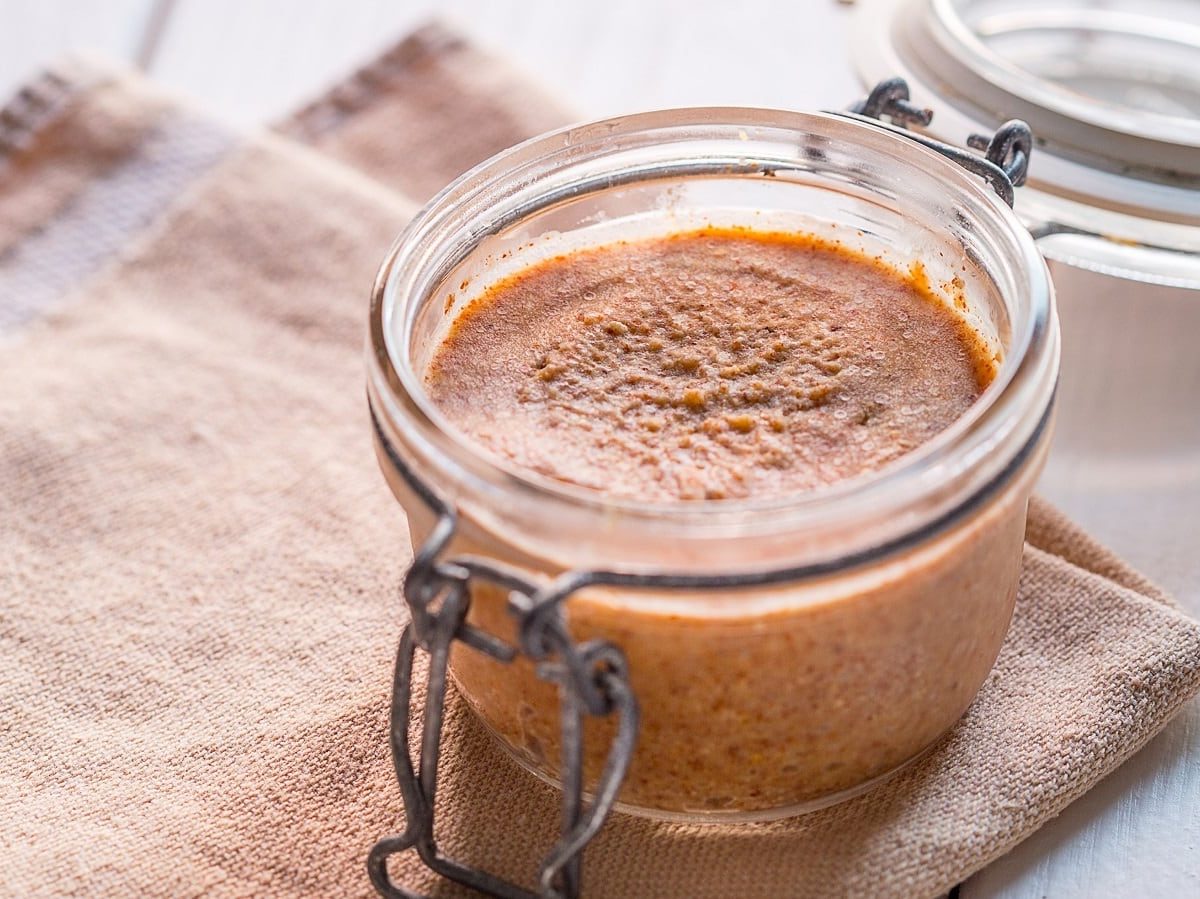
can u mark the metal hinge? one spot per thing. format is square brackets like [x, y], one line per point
[1005, 160]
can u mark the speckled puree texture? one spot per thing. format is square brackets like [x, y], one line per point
[707, 365]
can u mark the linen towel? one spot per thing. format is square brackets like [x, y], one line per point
[200, 563]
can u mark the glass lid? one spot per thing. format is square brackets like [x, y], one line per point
[1110, 88]
[1132, 65]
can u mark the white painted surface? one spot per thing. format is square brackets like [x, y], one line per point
[1138, 833]
[34, 32]
[252, 60]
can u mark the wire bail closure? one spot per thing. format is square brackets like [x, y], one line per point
[592, 676]
[1005, 160]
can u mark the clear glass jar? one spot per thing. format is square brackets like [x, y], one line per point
[1111, 89]
[756, 702]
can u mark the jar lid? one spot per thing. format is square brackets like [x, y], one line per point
[1111, 88]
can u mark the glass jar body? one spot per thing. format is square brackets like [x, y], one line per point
[766, 702]
[889, 594]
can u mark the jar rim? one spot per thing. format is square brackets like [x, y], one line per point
[1069, 22]
[1137, 182]
[1025, 378]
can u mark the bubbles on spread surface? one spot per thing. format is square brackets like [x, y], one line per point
[711, 364]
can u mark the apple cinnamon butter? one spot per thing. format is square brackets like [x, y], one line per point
[718, 364]
[755, 400]
[711, 364]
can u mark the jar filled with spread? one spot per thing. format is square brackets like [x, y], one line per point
[752, 400]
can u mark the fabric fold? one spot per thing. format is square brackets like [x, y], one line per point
[413, 117]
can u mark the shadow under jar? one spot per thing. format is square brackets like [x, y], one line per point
[755, 702]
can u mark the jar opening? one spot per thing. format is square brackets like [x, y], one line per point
[758, 169]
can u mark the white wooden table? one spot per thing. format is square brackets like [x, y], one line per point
[251, 61]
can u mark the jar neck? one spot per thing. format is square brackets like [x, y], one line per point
[826, 166]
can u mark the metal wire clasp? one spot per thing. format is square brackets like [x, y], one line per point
[592, 678]
[1005, 161]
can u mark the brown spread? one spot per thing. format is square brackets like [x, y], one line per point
[729, 363]
[705, 365]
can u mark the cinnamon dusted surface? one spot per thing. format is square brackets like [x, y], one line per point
[707, 365]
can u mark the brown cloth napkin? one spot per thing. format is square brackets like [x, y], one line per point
[199, 563]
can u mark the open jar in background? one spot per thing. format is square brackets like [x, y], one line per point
[786, 652]
[1111, 88]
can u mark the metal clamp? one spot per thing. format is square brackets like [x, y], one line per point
[592, 678]
[1005, 161]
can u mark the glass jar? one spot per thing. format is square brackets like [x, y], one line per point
[1111, 88]
[891, 592]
